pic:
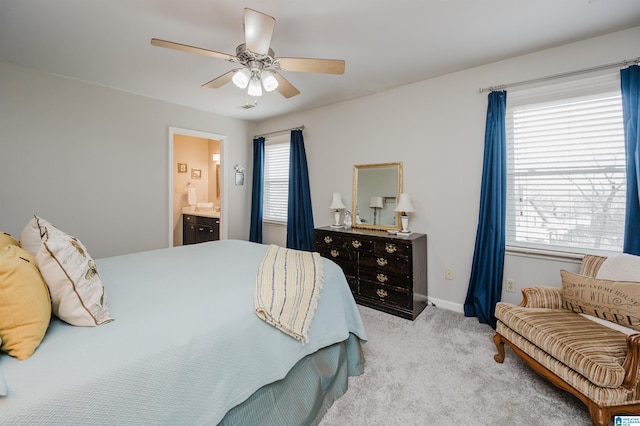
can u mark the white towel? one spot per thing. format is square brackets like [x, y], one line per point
[191, 195]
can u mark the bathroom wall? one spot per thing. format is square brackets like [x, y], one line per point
[213, 193]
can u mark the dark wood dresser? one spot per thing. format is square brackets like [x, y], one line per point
[385, 272]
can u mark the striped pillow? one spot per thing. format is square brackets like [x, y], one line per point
[591, 264]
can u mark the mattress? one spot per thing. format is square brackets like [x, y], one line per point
[185, 346]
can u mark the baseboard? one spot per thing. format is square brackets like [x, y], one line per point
[444, 304]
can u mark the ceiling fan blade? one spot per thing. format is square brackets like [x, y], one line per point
[192, 49]
[285, 88]
[221, 80]
[325, 66]
[258, 29]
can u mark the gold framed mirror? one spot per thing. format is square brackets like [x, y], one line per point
[376, 189]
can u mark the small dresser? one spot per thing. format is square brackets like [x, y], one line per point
[385, 272]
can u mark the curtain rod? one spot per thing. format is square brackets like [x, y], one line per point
[277, 132]
[566, 74]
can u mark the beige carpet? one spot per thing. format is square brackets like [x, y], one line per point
[439, 370]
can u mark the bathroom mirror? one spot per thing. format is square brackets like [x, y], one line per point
[376, 188]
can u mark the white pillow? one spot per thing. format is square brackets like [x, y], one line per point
[32, 234]
[620, 267]
[77, 294]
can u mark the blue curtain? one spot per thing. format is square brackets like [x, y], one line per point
[299, 214]
[255, 232]
[485, 284]
[630, 85]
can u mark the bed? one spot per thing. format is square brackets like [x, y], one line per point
[186, 347]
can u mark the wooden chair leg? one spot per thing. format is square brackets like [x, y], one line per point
[600, 416]
[499, 357]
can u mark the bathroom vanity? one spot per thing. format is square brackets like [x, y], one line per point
[199, 227]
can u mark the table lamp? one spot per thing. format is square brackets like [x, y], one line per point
[336, 206]
[404, 206]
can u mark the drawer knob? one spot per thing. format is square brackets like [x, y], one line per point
[382, 293]
[390, 248]
[356, 244]
[328, 239]
[381, 261]
[382, 278]
[335, 253]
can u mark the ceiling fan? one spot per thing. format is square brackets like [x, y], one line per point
[260, 66]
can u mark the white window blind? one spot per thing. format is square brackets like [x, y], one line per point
[276, 180]
[566, 170]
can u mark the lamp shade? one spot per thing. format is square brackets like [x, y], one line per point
[255, 87]
[269, 81]
[337, 204]
[376, 203]
[241, 78]
[404, 205]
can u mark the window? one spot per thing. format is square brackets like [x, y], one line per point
[276, 179]
[566, 179]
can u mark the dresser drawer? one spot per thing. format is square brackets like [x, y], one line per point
[386, 294]
[392, 247]
[385, 263]
[336, 253]
[200, 220]
[357, 243]
[326, 239]
[381, 277]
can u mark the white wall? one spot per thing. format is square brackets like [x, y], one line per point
[94, 161]
[436, 128]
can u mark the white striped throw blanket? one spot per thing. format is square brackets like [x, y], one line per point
[287, 289]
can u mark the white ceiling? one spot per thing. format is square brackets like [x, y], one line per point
[385, 43]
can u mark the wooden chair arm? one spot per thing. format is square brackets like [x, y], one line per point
[632, 362]
[542, 297]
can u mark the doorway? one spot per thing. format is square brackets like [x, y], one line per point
[196, 160]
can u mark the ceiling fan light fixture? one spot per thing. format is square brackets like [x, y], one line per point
[241, 78]
[269, 81]
[255, 88]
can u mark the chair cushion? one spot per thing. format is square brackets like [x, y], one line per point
[599, 395]
[591, 349]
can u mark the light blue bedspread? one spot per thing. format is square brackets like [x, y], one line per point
[185, 346]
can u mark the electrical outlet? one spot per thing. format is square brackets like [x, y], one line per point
[448, 274]
[511, 285]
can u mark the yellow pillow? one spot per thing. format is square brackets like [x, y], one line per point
[7, 240]
[25, 305]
